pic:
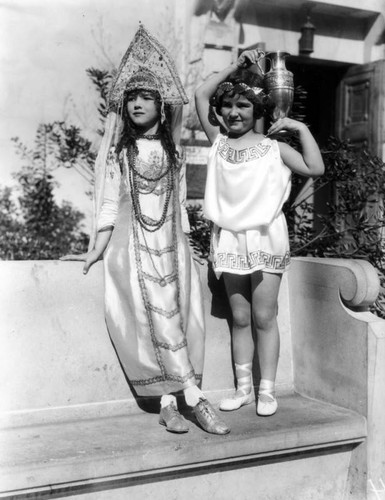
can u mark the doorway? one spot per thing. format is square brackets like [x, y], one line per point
[320, 79]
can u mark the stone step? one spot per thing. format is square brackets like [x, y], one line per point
[124, 451]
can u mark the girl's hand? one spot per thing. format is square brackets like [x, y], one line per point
[309, 162]
[286, 124]
[249, 57]
[89, 258]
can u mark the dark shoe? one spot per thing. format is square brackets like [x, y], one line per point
[208, 419]
[172, 419]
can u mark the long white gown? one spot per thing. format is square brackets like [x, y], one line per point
[153, 300]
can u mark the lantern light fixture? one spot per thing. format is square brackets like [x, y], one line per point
[306, 42]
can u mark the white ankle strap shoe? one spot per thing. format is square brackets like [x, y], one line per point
[267, 404]
[236, 401]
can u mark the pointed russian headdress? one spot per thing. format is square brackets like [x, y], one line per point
[146, 65]
[146, 59]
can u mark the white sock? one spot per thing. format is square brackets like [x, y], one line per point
[266, 386]
[192, 395]
[167, 399]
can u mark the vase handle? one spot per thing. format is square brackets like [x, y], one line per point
[260, 55]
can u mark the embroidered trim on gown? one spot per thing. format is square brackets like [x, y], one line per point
[245, 192]
[153, 300]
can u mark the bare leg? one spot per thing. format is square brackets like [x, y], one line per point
[238, 291]
[265, 288]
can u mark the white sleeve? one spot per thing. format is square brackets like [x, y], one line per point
[109, 210]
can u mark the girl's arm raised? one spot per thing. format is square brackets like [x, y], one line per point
[310, 162]
[207, 89]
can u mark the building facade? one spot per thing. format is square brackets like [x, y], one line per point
[337, 54]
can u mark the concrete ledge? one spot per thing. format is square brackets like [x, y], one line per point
[69, 412]
[338, 350]
[79, 456]
[57, 361]
[356, 281]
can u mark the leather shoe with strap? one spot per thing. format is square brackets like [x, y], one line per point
[208, 419]
[172, 419]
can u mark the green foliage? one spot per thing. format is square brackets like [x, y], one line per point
[352, 226]
[101, 80]
[34, 226]
[11, 229]
[57, 145]
[200, 229]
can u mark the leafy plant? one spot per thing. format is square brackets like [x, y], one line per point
[33, 225]
[200, 229]
[58, 145]
[352, 226]
[101, 80]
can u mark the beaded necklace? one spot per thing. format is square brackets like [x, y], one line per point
[151, 137]
[139, 224]
[147, 223]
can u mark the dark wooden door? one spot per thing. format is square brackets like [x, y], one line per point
[360, 107]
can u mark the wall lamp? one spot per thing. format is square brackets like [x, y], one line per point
[306, 42]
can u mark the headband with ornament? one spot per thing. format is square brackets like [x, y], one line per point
[143, 79]
[251, 93]
[147, 65]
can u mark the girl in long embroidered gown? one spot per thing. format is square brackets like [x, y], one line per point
[153, 302]
[248, 181]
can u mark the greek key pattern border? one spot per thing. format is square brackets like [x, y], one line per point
[254, 259]
[243, 155]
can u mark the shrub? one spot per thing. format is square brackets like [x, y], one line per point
[352, 225]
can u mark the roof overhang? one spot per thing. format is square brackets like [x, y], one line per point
[349, 19]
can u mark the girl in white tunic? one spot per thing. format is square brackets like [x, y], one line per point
[248, 181]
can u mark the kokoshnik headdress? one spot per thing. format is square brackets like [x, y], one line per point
[147, 62]
[146, 65]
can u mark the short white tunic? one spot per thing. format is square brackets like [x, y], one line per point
[245, 192]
